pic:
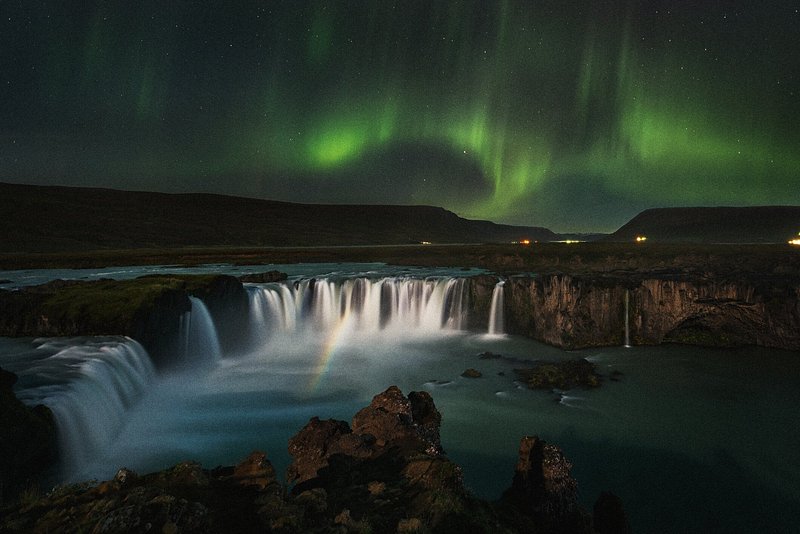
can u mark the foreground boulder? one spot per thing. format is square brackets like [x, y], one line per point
[27, 439]
[544, 488]
[384, 472]
[567, 374]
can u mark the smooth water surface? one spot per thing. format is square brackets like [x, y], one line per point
[692, 440]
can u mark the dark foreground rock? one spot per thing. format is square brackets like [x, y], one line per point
[27, 440]
[544, 489]
[384, 472]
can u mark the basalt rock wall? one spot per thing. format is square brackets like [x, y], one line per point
[559, 309]
[148, 309]
[479, 298]
[574, 312]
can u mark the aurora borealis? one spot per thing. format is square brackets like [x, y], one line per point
[571, 115]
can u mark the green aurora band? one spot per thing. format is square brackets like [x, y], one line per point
[639, 104]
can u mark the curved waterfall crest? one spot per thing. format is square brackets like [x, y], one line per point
[411, 305]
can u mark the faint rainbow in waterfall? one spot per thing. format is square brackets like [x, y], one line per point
[323, 361]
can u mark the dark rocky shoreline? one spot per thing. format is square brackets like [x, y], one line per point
[386, 471]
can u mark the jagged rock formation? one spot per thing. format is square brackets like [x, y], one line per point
[27, 439]
[582, 311]
[544, 489]
[386, 472]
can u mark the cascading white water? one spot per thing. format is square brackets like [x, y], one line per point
[627, 319]
[199, 335]
[398, 305]
[300, 324]
[496, 321]
[104, 378]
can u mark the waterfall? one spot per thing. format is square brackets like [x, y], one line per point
[627, 319]
[496, 326]
[455, 307]
[101, 380]
[399, 305]
[97, 381]
[201, 342]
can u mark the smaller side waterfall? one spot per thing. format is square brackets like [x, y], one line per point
[627, 319]
[200, 335]
[496, 326]
[102, 380]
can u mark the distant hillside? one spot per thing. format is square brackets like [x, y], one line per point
[50, 219]
[761, 224]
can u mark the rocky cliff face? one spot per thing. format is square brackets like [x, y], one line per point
[27, 440]
[480, 301]
[148, 309]
[574, 312]
[559, 309]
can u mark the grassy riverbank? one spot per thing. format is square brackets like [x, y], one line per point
[577, 258]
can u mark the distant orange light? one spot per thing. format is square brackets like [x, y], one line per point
[641, 238]
[795, 242]
[525, 242]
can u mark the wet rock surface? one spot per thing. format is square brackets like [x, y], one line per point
[567, 374]
[384, 472]
[544, 488]
[578, 311]
[471, 373]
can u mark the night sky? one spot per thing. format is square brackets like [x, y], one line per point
[570, 115]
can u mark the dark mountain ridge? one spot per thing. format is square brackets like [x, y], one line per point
[55, 218]
[756, 224]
